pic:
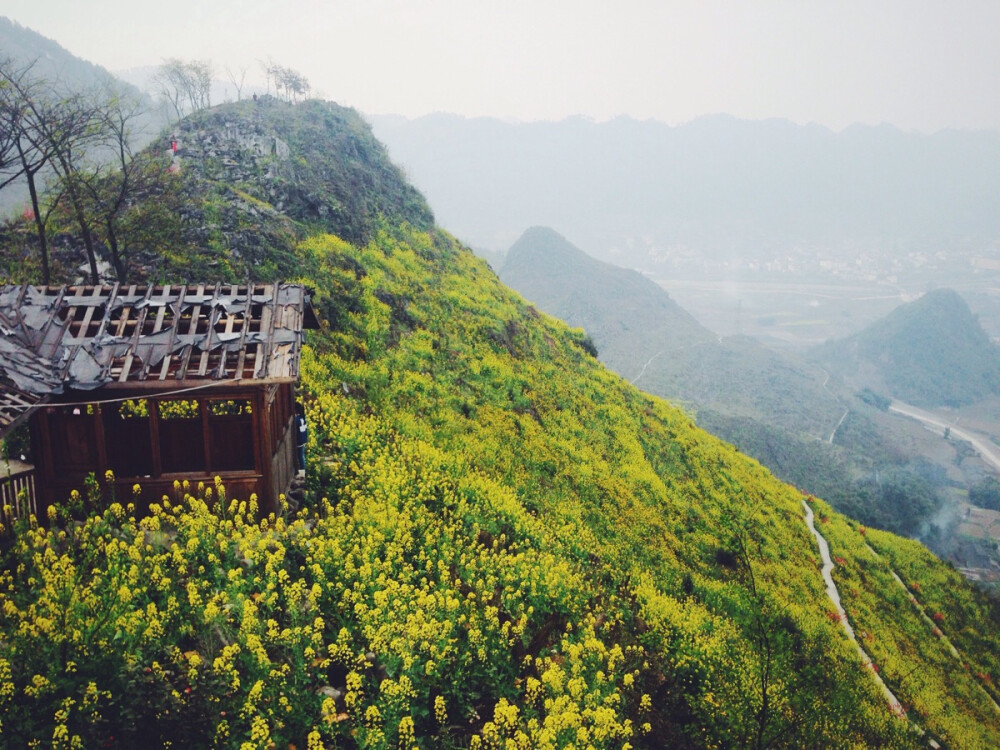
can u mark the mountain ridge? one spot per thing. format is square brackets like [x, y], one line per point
[623, 188]
[634, 321]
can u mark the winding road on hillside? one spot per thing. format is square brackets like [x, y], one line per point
[937, 423]
[674, 349]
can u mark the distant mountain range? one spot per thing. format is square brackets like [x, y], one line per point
[625, 189]
[51, 60]
[929, 352]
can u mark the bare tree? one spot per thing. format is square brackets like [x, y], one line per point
[85, 142]
[289, 84]
[8, 134]
[237, 84]
[71, 126]
[38, 125]
[172, 84]
[201, 72]
[296, 85]
[111, 186]
[268, 67]
[187, 85]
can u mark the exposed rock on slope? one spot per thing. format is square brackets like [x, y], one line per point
[316, 162]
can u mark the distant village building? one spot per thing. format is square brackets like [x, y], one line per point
[984, 263]
[156, 383]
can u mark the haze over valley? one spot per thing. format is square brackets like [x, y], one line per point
[790, 233]
[448, 375]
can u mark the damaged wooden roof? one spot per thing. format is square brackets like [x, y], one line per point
[145, 337]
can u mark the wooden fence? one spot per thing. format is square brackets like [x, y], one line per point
[18, 492]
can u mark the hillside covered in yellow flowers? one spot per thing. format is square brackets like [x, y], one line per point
[503, 545]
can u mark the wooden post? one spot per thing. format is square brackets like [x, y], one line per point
[41, 448]
[206, 435]
[268, 498]
[153, 405]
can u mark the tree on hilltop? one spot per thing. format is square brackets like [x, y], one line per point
[186, 84]
[289, 84]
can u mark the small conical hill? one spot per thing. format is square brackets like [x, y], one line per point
[929, 352]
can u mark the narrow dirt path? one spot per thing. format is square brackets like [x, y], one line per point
[831, 589]
[935, 629]
[834, 433]
[668, 351]
[837, 398]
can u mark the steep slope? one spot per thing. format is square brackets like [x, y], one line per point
[505, 545]
[642, 334]
[767, 404]
[930, 352]
[633, 491]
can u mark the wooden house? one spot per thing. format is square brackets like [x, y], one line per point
[156, 383]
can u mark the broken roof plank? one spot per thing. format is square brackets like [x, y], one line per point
[192, 330]
[161, 312]
[85, 336]
[130, 354]
[173, 333]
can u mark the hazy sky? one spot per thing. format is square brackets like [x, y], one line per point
[917, 64]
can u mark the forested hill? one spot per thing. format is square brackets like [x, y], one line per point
[504, 545]
[930, 352]
[26, 47]
[547, 269]
[641, 333]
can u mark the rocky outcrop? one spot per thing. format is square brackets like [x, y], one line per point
[315, 162]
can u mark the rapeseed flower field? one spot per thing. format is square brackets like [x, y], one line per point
[502, 545]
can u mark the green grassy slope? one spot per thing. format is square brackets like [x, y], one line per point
[506, 546]
[630, 490]
[950, 695]
[773, 407]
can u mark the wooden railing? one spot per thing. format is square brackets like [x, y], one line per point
[18, 491]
